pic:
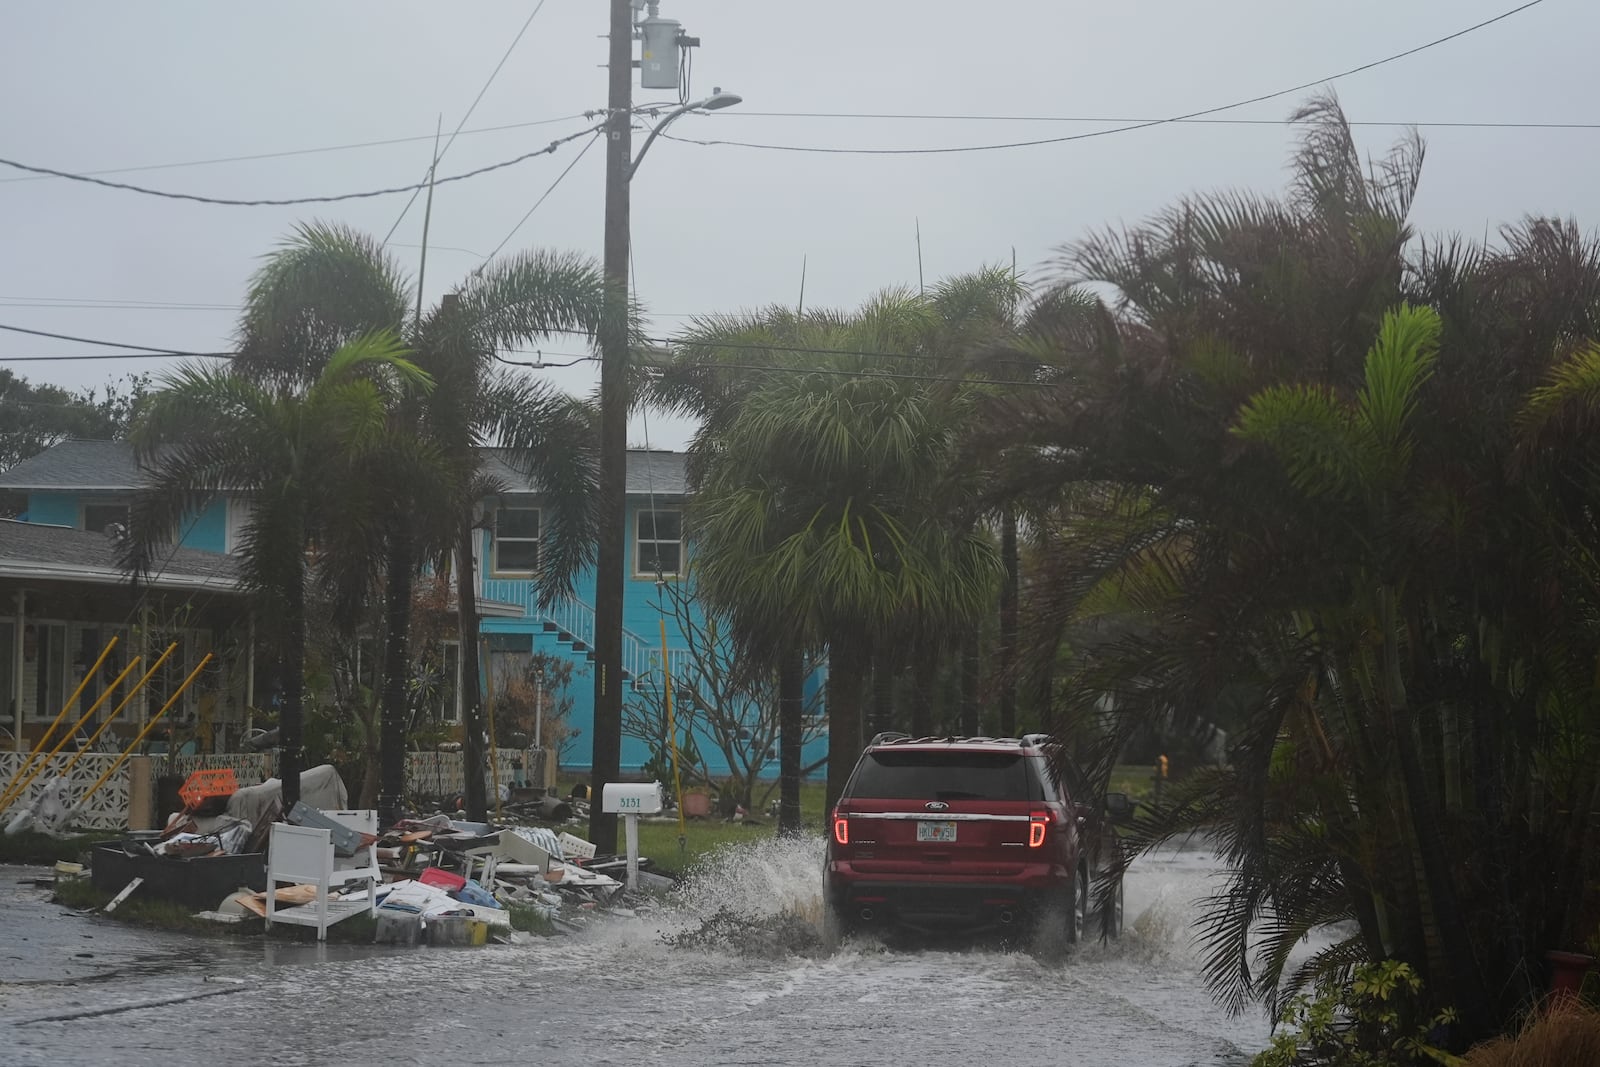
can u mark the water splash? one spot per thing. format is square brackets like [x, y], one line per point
[759, 899]
[767, 877]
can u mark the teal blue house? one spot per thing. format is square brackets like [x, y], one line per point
[89, 485]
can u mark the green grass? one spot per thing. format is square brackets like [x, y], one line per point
[155, 913]
[1135, 779]
[43, 850]
[530, 920]
[152, 912]
[659, 840]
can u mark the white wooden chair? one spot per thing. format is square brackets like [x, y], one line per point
[303, 855]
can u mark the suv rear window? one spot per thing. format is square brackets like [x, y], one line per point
[915, 775]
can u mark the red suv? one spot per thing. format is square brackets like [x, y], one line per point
[966, 832]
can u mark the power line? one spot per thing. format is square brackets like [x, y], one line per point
[115, 307]
[1129, 127]
[103, 356]
[301, 151]
[139, 351]
[1088, 119]
[742, 114]
[473, 106]
[551, 147]
[848, 373]
[542, 365]
[543, 196]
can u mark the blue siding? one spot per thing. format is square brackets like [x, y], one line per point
[207, 531]
[54, 509]
[643, 606]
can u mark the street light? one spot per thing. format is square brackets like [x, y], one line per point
[615, 336]
[715, 102]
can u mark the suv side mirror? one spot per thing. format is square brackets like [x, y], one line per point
[1119, 805]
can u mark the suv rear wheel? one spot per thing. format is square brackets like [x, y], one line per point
[1077, 916]
[1111, 913]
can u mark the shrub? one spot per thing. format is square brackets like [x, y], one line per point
[1565, 1033]
[1371, 1021]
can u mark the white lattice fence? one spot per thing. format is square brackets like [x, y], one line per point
[441, 775]
[429, 774]
[249, 768]
[106, 810]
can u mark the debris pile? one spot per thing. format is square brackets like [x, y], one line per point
[438, 879]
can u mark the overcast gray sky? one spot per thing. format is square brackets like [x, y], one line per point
[95, 86]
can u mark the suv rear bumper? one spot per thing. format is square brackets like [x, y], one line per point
[940, 902]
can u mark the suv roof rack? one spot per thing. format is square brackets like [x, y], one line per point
[893, 737]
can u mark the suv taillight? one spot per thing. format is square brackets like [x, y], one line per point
[841, 829]
[1038, 821]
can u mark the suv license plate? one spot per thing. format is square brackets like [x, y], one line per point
[936, 831]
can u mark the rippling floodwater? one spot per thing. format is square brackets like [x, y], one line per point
[752, 991]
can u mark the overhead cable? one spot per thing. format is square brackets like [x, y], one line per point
[1127, 128]
[546, 150]
[432, 166]
[139, 351]
[542, 197]
[300, 151]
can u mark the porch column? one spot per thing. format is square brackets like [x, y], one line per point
[142, 698]
[250, 673]
[16, 664]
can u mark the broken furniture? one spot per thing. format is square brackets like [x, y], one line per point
[508, 847]
[304, 855]
[198, 882]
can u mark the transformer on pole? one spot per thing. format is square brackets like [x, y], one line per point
[663, 48]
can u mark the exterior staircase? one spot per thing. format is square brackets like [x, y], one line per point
[571, 622]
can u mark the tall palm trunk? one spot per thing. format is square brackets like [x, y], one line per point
[883, 692]
[791, 699]
[291, 720]
[922, 686]
[969, 685]
[396, 669]
[1009, 588]
[473, 727]
[845, 669]
[1466, 984]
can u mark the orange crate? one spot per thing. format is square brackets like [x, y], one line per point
[203, 785]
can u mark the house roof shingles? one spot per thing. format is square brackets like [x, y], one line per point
[110, 466]
[77, 465]
[30, 550]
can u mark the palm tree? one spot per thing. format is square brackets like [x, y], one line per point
[291, 449]
[328, 282]
[818, 512]
[1331, 488]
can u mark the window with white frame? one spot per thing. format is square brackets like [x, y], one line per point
[658, 544]
[98, 516]
[240, 511]
[516, 540]
[44, 668]
[448, 700]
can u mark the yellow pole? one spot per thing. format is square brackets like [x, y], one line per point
[672, 734]
[11, 798]
[149, 674]
[173, 699]
[73, 699]
[488, 699]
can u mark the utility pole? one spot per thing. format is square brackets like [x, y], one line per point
[612, 511]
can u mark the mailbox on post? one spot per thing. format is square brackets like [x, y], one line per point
[631, 800]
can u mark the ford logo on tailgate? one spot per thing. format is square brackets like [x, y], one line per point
[936, 805]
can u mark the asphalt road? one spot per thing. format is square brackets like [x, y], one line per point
[754, 989]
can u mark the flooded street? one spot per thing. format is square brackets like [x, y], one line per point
[753, 989]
